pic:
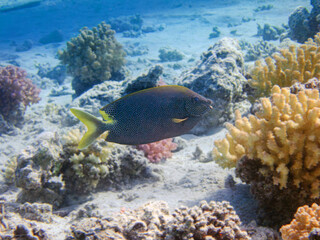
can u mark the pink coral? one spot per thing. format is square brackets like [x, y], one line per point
[16, 89]
[158, 151]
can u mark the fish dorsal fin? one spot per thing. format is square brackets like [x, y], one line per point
[106, 117]
[179, 120]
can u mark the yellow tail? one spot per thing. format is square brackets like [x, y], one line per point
[95, 127]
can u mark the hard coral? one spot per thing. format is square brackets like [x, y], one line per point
[296, 64]
[281, 142]
[306, 219]
[92, 57]
[158, 151]
[154, 221]
[16, 90]
[101, 165]
[214, 220]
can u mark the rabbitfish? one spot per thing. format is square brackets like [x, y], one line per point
[146, 116]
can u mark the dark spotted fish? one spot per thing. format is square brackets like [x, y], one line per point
[146, 116]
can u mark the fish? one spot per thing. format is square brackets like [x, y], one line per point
[145, 116]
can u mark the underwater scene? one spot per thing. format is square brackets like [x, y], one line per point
[158, 119]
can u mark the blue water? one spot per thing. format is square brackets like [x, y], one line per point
[69, 16]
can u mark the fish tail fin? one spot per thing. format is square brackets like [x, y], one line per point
[95, 127]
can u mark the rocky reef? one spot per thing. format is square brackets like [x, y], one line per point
[219, 77]
[54, 168]
[304, 25]
[153, 220]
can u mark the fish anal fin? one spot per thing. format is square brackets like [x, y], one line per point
[179, 120]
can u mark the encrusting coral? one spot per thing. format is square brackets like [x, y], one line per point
[278, 148]
[295, 64]
[16, 90]
[92, 57]
[306, 219]
[153, 220]
[157, 151]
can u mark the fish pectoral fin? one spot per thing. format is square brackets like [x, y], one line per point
[179, 120]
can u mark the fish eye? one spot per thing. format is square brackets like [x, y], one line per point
[196, 99]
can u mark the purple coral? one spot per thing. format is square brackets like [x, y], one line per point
[16, 89]
[158, 151]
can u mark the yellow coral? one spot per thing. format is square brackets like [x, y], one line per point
[295, 64]
[284, 135]
[306, 218]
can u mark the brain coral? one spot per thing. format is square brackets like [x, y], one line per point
[92, 57]
[306, 219]
[281, 149]
[295, 64]
[16, 90]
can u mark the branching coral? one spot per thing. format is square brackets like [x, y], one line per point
[284, 136]
[16, 89]
[158, 151]
[306, 219]
[296, 64]
[281, 142]
[92, 57]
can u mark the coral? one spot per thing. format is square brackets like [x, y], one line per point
[83, 169]
[92, 57]
[57, 73]
[269, 32]
[299, 30]
[25, 46]
[9, 171]
[296, 64]
[126, 23]
[53, 37]
[214, 220]
[279, 150]
[154, 221]
[136, 49]
[306, 219]
[218, 76]
[170, 55]
[258, 50]
[100, 166]
[41, 212]
[215, 33]
[35, 173]
[263, 8]
[304, 25]
[15, 90]
[12, 226]
[158, 151]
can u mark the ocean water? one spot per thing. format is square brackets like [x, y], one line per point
[208, 46]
